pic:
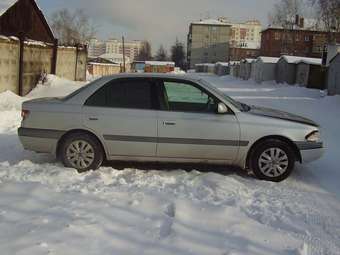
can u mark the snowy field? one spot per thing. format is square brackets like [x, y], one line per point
[47, 209]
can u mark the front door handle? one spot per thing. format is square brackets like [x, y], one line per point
[169, 123]
[93, 118]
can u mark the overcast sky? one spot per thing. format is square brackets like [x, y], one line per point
[159, 21]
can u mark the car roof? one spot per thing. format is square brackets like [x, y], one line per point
[155, 75]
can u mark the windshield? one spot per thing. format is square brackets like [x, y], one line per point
[241, 106]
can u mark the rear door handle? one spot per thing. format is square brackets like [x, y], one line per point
[169, 123]
[93, 118]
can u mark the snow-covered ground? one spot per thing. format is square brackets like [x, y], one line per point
[47, 209]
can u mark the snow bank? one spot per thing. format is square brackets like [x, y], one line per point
[10, 101]
[55, 87]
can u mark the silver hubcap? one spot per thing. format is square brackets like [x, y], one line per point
[273, 162]
[80, 154]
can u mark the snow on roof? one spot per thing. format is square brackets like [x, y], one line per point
[36, 43]
[9, 38]
[297, 60]
[210, 22]
[114, 56]
[222, 63]
[250, 60]
[160, 63]
[104, 64]
[5, 5]
[311, 61]
[268, 60]
[111, 55]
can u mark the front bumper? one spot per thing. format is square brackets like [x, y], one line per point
[311, 151]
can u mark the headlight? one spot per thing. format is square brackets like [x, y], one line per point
[313, 137]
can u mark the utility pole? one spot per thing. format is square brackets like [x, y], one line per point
[123, 40]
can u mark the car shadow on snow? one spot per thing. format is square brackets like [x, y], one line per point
[169, 167]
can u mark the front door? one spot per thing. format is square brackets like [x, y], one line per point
[189, 126]
[123, 113]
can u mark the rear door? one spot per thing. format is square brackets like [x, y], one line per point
[123, 113]
[189, 126]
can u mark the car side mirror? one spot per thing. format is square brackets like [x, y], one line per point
[222, 108]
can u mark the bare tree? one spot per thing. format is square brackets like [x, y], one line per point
[161, 54]
[72, 28]
[178, 54]
[145, 52]
[284, 13]
[328, 12]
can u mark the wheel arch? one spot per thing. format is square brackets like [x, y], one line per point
[277, 137]
[74, 131]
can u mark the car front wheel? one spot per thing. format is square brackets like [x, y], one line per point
[82, 152]
[272, 160]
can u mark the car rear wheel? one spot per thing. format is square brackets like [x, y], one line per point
[82, 152]
[272, 160]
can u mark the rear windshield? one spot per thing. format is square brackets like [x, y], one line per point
[79, 90]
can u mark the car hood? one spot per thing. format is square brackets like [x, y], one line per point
[267, 112]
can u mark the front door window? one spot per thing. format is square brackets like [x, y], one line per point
[184, 97]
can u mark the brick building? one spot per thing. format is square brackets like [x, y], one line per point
[276, 42]
[236, 54]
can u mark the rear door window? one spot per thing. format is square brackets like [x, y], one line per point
[124, 93]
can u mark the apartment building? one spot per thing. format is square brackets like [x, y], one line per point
[215, 40]
[96, 48]
[132, 48]
[246, 35]
[208, 42]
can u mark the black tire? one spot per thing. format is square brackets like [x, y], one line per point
[262, 148]
[91, 140]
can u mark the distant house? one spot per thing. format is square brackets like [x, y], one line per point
[222, 68]
[333, 85]
[311, 74]
[199, 68]
[234, 68]
[263, 69]
[159, 66]
[287, 67]
[237, 54]
[102, 67]
[115, 57]
[245, 68]
[24, 19]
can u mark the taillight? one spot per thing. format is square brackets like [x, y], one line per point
[24, 114]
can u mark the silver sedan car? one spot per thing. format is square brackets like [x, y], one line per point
[166, 118]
